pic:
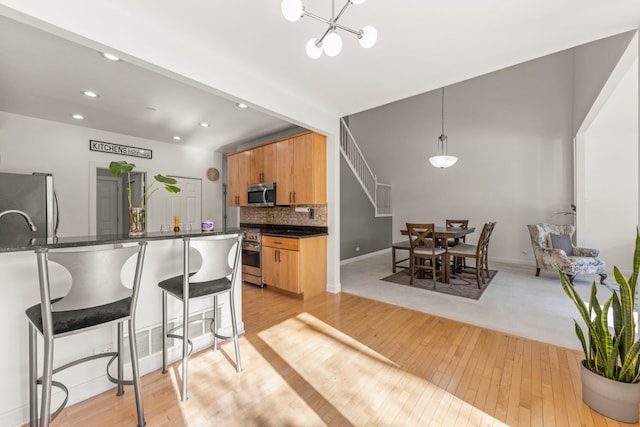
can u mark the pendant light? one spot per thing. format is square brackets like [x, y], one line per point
[442, 160]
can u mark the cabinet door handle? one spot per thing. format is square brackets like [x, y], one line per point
[294, 197]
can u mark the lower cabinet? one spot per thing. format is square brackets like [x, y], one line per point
[296, 266]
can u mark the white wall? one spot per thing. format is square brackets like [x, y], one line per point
[608, 208]
[512, 132]
[27, 145]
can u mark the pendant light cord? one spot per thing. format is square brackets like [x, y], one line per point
[443, 111]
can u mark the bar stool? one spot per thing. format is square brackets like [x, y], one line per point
[216, 276]
[97, 297]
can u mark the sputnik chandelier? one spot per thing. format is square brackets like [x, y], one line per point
[330, 43]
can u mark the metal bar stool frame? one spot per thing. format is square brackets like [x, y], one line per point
[46, 318]
[184, 287]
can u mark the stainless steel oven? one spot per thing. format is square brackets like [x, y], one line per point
[252, 258]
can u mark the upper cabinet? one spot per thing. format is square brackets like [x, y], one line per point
[301, 176]
[263, 164]
[238, 168]
[297, 164]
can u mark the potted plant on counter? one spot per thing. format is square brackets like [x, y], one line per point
[137, 213]
[609, 372]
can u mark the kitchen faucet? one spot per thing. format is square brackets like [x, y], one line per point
[32, 226]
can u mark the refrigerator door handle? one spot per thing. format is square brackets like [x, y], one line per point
[56, 214]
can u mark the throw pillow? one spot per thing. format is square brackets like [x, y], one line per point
[560, 241]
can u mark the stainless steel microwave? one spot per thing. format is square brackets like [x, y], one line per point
[261, 195]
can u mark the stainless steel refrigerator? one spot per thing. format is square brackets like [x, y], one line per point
[28, 205]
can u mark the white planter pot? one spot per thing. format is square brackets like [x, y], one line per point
[613, 399]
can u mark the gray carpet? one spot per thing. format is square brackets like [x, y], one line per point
[464, 285]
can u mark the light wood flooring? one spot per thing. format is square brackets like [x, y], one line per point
[343, 360]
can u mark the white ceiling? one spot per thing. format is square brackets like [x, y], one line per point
[252, 49]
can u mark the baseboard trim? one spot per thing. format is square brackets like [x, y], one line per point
[364, 256]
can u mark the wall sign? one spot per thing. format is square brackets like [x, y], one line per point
[107, 147]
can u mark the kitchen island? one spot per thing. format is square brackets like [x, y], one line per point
[20, 285]
[18, 244]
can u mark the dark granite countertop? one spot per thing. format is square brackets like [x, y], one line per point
[26, 243]
[283, 230]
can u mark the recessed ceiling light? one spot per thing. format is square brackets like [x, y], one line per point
[204, 124]
[110, 56]
[90, 94]
[242, 105]
[78, 116]
[177, 138]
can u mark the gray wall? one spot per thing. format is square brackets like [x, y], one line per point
[360, 231]
[512, 131]
[591, 75]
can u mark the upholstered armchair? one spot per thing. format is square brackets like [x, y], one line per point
[553, 249]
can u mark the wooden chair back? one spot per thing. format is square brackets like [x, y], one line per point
[421, 235]
[457, 223]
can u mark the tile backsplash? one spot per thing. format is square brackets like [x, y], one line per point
[285, 215]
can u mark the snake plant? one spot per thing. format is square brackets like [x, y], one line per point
[612, 353]
[117, 168]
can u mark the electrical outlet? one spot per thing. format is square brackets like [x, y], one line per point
[107, 348]
[358, 249]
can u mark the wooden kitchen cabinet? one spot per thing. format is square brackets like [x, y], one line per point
[263, 164]
[297, 164]
[238, 167]
[301, 175]
[296, 266]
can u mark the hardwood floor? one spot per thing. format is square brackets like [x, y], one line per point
[343, 360]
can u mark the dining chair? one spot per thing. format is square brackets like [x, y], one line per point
[216, 276]
[457, 223]
[424, 253]
[95, 295]
[478, 252]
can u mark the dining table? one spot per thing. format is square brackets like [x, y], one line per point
[442, 234]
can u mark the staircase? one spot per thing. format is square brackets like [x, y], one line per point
[379, 194]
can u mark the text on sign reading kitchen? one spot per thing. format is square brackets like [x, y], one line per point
[107, 147]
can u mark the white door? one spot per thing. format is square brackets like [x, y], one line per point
[109, 205]
[187, 204]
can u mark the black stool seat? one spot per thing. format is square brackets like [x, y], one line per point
[173, 285]
[75, 320]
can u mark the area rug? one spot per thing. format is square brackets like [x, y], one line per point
[458, 287]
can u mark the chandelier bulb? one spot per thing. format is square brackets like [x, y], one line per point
[332, 43]
[368, 37]
[313, 50]
[292, 10]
